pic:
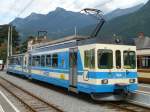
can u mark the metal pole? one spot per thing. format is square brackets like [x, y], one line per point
[8, 42]
[11, 46]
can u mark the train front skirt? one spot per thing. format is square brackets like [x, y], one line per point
[118, 95]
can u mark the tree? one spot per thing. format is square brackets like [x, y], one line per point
[24, 45]
[4, 38]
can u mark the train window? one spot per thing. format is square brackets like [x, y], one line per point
[89, 58]
[43, 60]
[73, 59]
[118, 59]
[63, 62]
[30, 61]
[129, 59]
[105, 59]
[25, 61]
[36, 61]
[48, 60]
[14, 61]
[33, 60]
[20, 60]
[55, 60]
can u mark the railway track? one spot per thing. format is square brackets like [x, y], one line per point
[128, 107]
[31, 101]
[119, 106]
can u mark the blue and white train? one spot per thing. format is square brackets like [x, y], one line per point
[106, 71]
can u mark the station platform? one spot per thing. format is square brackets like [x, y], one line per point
[144, 77]
[6, 105]
[144, 88]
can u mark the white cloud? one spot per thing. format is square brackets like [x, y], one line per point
[9, 9]
[113, 4]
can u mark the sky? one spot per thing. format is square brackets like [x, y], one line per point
[10, 9]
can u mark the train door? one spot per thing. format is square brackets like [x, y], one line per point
[29, 63]
[25, 63]
[73, 69]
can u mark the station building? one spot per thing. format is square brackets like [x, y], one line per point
[143, 52]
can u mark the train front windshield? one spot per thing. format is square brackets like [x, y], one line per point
[129, 59]
[105, 59]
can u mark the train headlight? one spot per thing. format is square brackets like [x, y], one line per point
[132, 80]
[104, 81]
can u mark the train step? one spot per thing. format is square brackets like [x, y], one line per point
[73, 89]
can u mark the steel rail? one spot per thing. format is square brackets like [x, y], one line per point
[27, 98]
[129, 107]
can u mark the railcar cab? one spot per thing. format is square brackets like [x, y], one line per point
[112, 68]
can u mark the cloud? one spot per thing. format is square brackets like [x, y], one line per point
[9, 9]
[114, 4]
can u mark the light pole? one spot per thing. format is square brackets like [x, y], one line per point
[11, 46]
[9, 41]
[8, 47]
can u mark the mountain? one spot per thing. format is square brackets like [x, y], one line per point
[129, 25]
[60, 22]
[120, 12]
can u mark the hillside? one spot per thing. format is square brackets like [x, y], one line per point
[120, 12]
[61, 22]
[129, 25]
[58, 23]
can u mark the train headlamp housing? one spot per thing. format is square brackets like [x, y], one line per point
[132, 80]
[104, 81]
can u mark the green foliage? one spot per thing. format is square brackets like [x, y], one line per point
[24, 45]
[4, 38]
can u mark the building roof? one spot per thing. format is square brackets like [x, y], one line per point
[142, 43]
[143, 52]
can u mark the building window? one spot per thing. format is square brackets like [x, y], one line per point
[48, 61]
[118, 59]
[43, 60]
[55, 60]
[89, 59]
[105, 59]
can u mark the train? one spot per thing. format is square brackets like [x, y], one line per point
[105, 71]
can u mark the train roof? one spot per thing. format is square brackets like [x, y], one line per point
[81, 40]
[16, 55]
[62, 40]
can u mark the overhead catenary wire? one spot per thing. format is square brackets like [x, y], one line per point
[10, 27]
[10, 8]
[24, 8]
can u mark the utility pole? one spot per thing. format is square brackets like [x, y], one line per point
[8, 42]
[11, 46]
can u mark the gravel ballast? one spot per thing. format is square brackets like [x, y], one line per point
[64, 101]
